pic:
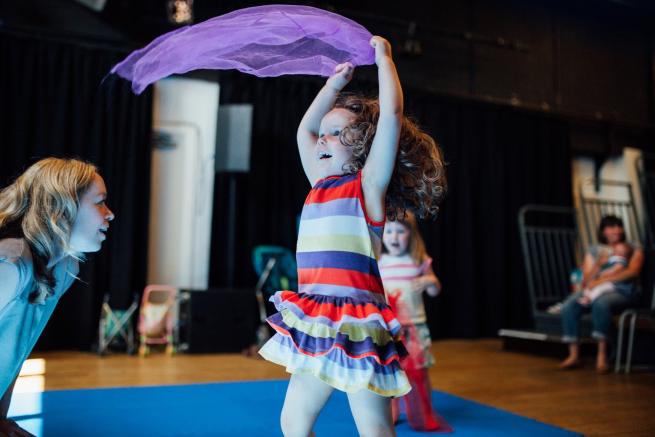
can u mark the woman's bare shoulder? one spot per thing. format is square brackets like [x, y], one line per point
[11, 249]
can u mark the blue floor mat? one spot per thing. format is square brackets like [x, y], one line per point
[239, 409]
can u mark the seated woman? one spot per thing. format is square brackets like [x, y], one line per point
[618, 291]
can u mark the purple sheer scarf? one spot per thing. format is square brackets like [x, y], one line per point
[271, 40]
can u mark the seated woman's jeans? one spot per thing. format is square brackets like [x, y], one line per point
[602, 310]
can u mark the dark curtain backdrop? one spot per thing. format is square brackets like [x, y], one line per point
[52, 103]
[499, 159]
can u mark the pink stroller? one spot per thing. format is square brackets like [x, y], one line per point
[158, 318]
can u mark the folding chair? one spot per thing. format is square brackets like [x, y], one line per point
[551, 252]
[116, 324]
[637, 319]
[276, 268]
[641, 318]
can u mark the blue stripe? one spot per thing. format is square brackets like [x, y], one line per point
[334, 300]
[318, 345]
[344, 206]
[377, 230]
[332, 259]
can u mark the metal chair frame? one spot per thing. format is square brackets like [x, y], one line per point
[275, 252]
[123, 326]
[549, 253]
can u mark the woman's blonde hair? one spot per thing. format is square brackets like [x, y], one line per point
[41, 206]
[416, 246]
[418, 181]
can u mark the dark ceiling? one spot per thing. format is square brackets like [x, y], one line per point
[134, 23]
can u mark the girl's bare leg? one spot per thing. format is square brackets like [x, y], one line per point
[372, 414]
[306, 396]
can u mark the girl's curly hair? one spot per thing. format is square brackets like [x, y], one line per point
[418, 182]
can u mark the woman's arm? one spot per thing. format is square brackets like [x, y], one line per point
[631, 272]
[381, 159]
[310, 124]
[611, 270]
[590, 269]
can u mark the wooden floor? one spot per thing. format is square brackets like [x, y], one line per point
[529, 385]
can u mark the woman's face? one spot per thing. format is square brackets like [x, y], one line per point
[93, 217]
[396, 238]
[613, 234]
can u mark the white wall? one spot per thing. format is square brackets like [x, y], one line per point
[185, 111]
[620, 169]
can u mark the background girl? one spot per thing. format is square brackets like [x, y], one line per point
[406, 271]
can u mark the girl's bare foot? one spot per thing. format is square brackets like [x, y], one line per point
[570, 363]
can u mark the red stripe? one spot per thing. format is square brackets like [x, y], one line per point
[397, 278]
[398, 266]
[321, 195]
[334, 312]
[348, 278]
[360, 193]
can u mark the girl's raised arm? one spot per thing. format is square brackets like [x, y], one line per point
[380, 162]
[309, 126]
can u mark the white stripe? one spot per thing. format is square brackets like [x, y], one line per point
[333, 225]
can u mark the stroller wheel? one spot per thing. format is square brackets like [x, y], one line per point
[144, 350]
[170, 349]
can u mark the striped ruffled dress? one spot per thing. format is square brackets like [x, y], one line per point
[338, 327]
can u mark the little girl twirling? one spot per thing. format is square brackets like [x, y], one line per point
[364, 160]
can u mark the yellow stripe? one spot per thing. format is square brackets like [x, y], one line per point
[344, 243]
[333, 225]
[355, 332]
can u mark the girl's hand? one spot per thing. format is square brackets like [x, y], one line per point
[421, 283]
[343, 73]
[603, 258]
[382, 48]
[394, 293]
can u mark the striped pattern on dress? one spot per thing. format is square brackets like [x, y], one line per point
[338, 327]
